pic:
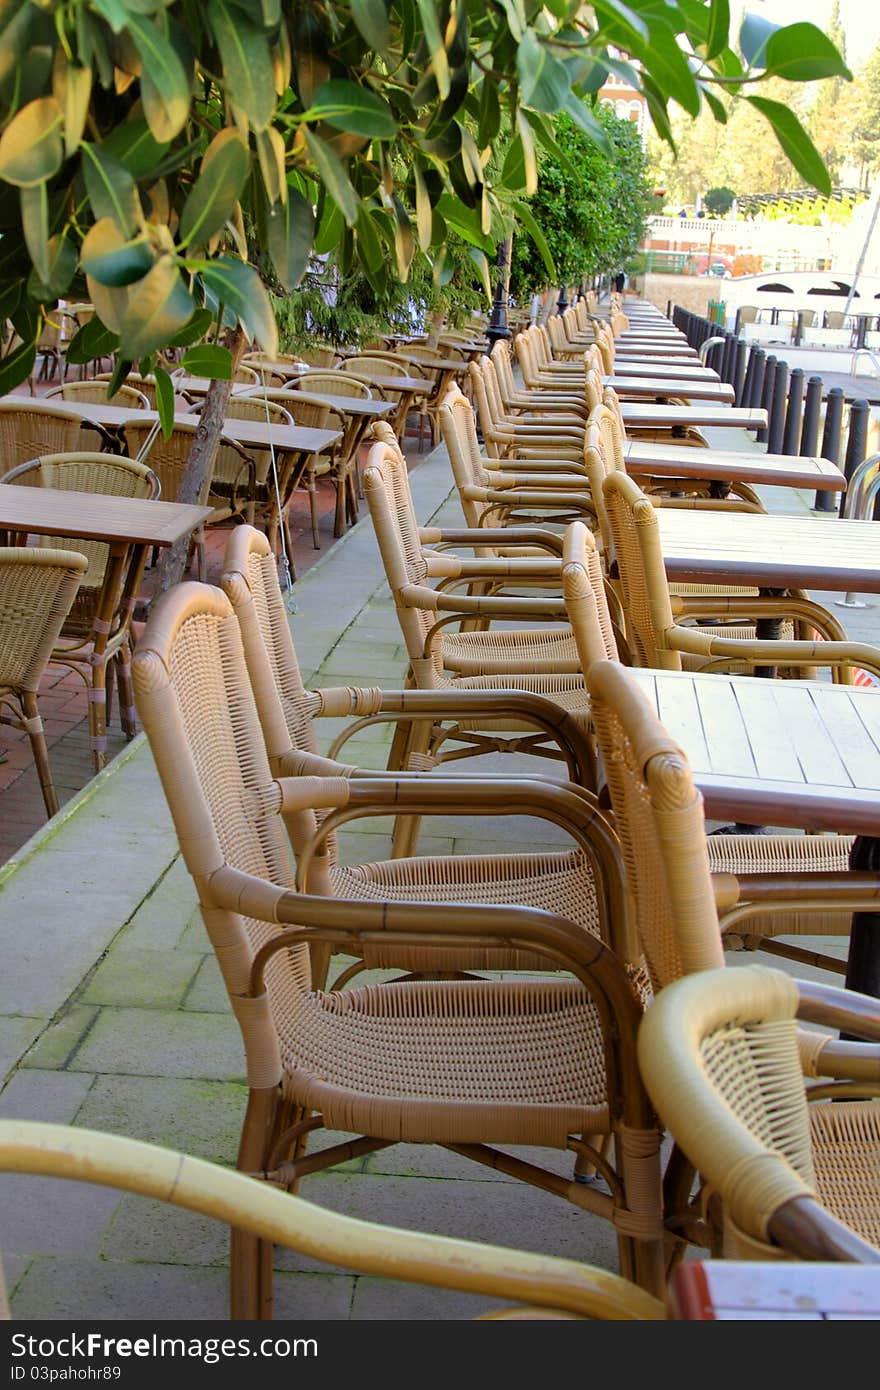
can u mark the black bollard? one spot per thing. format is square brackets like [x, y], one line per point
[753, 399]
[856, 442]
[791, 435]
[766, 401]
[831, 441]
[777, 410]
[727, 357]
[739, 371]
[823, 501]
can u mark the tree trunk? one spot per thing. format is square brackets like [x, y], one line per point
[200, 461]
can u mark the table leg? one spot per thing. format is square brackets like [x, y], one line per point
[768, 630]
[101, 626]
[863, 966]
[127, 712]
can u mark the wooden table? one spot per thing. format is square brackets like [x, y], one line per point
[407, 389]
[662, 370]
[771, 552]
[640, 351]
[741, 1290]
[651, 387]
[727, 466]
[129, 526]
[639, 416]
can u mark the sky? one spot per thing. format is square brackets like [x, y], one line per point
[861, 19]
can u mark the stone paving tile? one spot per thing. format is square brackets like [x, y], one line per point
[150, 979]
[52, 1096]
[162, 1042]
[58, 1043]
[49, 1216]
[387, 1299]
[207, 992]
[203, 1118]
[16, 1036]
[80, 1290]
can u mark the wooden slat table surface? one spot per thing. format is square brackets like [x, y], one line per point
[742, 1290]
[661, 370]
[804, 754]
[651, 416]
[639, 351]
[777, 470]
[356, 406]
[96, 516]
[254, 434]
[651, 386]
[771, 552]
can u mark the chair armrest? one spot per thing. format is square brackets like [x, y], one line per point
[769, 653]
[477, 536]
[525, 567]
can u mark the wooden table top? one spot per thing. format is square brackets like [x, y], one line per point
[802, 754]
[779, 470]
[650, 416]
[639, 350]
[672, 386]
[254, 434]
[95, 516]
[772, 552]
[345, 405]
[682, 371]
[414, 384]
[742, 1290]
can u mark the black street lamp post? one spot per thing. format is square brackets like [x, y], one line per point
[498, 328]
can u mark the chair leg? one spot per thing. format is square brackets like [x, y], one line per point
[97, 691]
[251, 1258]
[110, 688]
[127, 716]
[40, 750]
[312, 489]
[339, 518]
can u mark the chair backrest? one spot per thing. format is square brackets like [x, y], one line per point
[719, 1055]
[146, 384]
[603, 454]
[593, 386]
[583, 588]
[386, 486]
[258, 408]
[524, 347]
[501, 360]
[605, 344]
[37, 590]
[167, 457]
[659, 818]
[195, 702]
[835, 318]
[632, 521]
[747, 313]
[108, 474]
[331, 384]
[29, 428]
[487, 416]
[458, 429]
[95, 393]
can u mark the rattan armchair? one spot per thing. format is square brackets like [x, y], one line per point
[310, 408]
[659, 818]
[506, 436]
[658, 638]
[95, 640]
[537, 1286]
[740, 857]
[29, 428]
[721, 1056]
[562, 881]
[37, 590]
[95, 393]
[465, 1064]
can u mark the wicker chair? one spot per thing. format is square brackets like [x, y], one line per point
[559, 881]
[659, 817]
[657, 639]
[465, 1064]
[95, 643]
[95, 393]
[547, 400]
[145, 384]
[721, 1056]
[240, 481]
[493, 497]
[537, 1286]
[167, 458]
[375, 366]
[598, 638]
[37, 590]
[30, 428]
[506, 436]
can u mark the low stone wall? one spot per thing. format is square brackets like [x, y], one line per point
[690, 291]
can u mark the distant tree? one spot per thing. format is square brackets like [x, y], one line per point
[719, 201]
[861, 118]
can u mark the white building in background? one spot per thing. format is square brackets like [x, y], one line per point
[626, 103]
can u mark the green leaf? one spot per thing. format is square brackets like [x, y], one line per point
[802, 53]
[479, 259]
[795, 142]
[158, 307]
[334, 177]
[371, 18]
[543, 130]
[290, 229]
[516, 17]
[72, 89]
[544, 81]
[17, 366]
[424, 211]
[62, 268]
[135, 147]
[121, 369]
[754, 35]
[164, 400]
[464, 220]
[110, 259]
[719, 28]
[210, 360]
[92, 341]
[270, 152]
[239, 287]
[718, 109]
[669, 68]
[404, 242]
[513, 170]
[490, 113]
[436, 47]
[165, 83]
[31, 147]
[582, 116]
[193, 331]
[115, 13]
[622, 24]
[526, 217]
[349, 106]
[248, 74]
[329, 230]
[111, 189]
[216, 191]
[369, 245]
[35, 225]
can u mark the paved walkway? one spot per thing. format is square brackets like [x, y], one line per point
[112, 1016]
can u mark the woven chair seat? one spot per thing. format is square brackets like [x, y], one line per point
[846, 1161]
[567, 691]
[762, 854]
[453, 1062]
[537, 650]
[557, 882]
